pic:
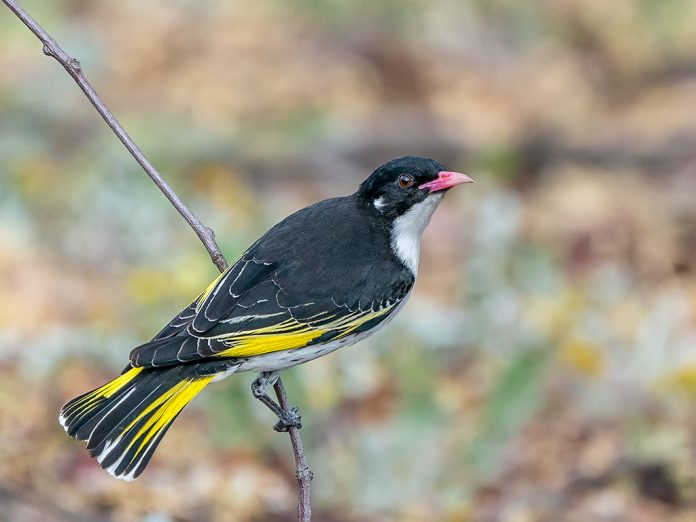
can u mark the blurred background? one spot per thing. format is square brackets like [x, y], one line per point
[545, 369]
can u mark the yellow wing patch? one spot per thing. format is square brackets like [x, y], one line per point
[260, 344]
[357, 323]
[290, 334]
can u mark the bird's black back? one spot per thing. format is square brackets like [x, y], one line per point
[337, 248]
[328, 268]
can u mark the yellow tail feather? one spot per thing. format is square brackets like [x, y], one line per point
[167, 407]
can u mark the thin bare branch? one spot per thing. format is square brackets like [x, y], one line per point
[206, 234]
[72, 65]
[303, 473]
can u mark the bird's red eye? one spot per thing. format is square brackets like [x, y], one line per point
[406, 181]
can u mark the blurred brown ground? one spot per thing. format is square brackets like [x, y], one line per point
[545, 369]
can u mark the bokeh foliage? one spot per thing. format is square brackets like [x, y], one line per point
[545, 368]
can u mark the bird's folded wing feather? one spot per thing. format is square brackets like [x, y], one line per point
[245, 312]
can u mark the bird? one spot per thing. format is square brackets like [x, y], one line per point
[323, 278]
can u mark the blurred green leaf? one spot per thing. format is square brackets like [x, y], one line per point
[515, 396]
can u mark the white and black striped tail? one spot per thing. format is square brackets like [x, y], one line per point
[124, 420]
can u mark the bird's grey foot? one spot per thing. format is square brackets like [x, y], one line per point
[286, 418]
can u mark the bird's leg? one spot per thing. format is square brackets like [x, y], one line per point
[286, 418]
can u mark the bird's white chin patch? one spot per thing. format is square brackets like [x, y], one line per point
[408, 228]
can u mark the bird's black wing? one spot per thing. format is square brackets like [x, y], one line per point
[293, 288]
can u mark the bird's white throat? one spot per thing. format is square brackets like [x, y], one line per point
[407, 230]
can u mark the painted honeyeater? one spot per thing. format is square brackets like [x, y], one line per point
[325, 277]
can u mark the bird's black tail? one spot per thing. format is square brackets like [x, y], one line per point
[124, 420]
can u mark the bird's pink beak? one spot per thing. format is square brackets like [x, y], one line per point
[446, 180]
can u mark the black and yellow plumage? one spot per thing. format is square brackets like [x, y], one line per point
[325, 277]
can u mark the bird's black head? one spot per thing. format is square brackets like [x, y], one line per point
[400, 184]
